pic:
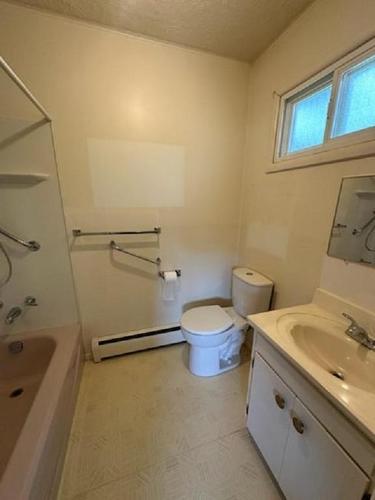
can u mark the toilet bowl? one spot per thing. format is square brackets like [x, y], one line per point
[215, 334]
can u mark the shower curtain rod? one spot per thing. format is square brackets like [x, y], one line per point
[9, 71]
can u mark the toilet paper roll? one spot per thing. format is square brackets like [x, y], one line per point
[170, 276]
[169, 285]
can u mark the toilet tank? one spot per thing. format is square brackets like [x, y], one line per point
[251, 291]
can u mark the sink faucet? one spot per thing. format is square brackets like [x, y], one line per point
[13, 314]
[359, 334]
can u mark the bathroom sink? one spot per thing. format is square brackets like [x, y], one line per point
[325, 343]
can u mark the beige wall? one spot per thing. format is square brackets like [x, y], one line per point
[286, 217]
[353, 282]
[115, 89]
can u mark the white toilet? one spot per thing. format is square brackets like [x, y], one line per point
[215, 334]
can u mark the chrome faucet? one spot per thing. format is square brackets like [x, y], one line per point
[13, 314]
[358, 333]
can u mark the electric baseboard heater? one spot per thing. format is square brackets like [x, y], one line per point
[140, 340]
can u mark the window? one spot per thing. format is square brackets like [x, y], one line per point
[355, 108]
[307, 118]
[335, 109]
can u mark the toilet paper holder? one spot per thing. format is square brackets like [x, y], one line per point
[177, 271]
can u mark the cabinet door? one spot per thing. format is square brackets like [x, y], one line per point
[315, 466]
[268, 418]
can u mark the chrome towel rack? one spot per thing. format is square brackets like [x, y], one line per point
[114, 246]
[79, 232]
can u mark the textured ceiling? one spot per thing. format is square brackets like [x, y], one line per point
[235, 28]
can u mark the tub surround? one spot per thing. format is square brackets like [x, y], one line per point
[40, 345]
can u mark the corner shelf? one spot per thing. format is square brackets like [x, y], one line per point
[22, 178]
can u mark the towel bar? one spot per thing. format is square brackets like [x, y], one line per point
[79, 232]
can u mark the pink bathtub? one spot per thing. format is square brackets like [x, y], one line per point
[38, 387]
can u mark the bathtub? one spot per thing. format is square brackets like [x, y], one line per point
[38, 388]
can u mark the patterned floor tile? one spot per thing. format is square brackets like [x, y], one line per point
[146, 428]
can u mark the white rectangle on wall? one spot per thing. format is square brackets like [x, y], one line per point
[136, 174]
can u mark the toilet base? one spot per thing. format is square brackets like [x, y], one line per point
[206, 362]
[215, 354]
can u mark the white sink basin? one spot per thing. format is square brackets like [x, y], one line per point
[325, 343]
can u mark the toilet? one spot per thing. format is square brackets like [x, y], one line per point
[215, 334]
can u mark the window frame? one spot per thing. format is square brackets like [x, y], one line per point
[288, 114]
[358, 144]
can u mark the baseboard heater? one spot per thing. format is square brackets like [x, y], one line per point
[140, 340]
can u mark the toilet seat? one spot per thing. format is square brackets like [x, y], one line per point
[206, 320]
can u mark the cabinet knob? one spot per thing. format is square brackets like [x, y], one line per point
[280, 401]
[298, 425]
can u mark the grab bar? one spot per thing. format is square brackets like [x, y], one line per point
[114, 246]
[79, 232]
[31, 245]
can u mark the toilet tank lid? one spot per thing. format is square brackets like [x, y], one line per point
[206, 320]
[251, 277]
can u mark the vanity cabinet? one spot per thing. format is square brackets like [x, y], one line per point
[304, 457]
[315, 466]
[268, 418]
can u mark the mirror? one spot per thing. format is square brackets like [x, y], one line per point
[353, 230]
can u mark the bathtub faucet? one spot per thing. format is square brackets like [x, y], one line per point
[13, 314]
